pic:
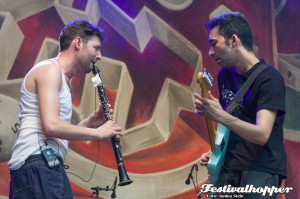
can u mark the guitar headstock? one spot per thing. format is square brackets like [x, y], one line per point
[205, 80]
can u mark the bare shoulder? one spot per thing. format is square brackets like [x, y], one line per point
[46, 67]
[42, 73]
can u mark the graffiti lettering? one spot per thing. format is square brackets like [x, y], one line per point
[15, 128]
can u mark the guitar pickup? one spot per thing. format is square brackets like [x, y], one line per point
[222, 144]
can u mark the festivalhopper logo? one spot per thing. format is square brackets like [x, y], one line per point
[228, 191]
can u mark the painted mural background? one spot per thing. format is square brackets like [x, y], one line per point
[151, 57]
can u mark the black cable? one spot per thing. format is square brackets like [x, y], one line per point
[67, 166]
[198, 193]
[92, 171]
[98, 154]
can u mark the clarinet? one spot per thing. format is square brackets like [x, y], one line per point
[124, 179]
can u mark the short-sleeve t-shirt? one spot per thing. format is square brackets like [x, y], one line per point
[267, 92]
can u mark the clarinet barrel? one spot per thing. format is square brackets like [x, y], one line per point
[123, 176]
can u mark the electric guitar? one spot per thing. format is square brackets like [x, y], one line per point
[218, 140]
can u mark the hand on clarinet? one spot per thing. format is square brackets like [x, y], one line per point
[108, 129]
[96, 119]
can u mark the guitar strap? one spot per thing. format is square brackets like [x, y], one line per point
[238, 96]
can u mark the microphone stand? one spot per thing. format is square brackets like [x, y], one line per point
[190, 177]
[97, 189]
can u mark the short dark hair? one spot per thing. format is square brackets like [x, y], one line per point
[81, 28]
[230, 23]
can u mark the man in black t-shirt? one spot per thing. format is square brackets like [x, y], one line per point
[255, 154]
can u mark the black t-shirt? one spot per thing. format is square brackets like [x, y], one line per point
[267, 92]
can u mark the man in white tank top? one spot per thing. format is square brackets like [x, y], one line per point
[45, 114]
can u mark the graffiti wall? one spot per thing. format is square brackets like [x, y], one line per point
[151, 58]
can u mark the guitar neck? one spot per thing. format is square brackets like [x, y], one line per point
[210, 126]
[212, 133]
[204, 79]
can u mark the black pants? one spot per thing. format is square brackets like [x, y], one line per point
[35, 180]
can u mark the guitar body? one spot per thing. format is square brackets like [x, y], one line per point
[217, 158]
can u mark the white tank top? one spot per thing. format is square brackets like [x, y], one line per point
[30, 135]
